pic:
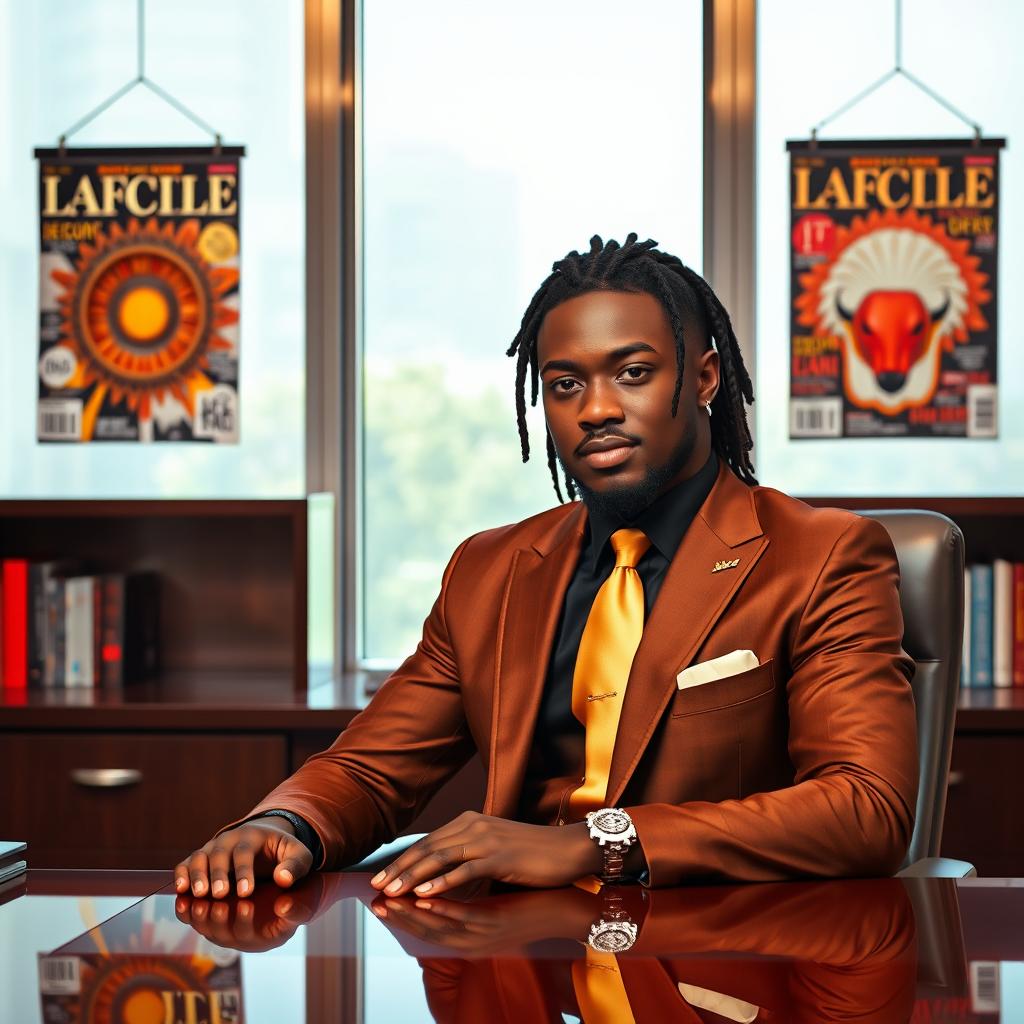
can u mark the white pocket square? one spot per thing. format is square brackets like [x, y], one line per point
[717, 668]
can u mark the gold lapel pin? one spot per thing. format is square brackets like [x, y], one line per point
[719, 566]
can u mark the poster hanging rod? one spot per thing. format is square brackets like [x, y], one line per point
[897, 69]
[140, 79]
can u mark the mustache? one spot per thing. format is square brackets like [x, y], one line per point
[606, 435]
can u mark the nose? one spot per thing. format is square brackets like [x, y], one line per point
[600, 405]
[891, 380]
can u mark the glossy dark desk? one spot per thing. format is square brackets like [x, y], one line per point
[884, 951]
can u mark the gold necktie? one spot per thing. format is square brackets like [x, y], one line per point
[609, 642]
[600, 991]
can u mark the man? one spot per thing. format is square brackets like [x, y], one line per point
[713, 666]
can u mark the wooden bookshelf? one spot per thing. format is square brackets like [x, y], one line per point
[233, 574]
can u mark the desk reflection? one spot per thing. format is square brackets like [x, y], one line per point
[800, 952]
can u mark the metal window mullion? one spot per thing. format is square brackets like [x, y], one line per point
[730, 135]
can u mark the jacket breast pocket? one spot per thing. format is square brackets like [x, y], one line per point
[725, 693]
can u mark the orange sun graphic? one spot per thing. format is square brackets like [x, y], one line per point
[132, 989]
[142, 312]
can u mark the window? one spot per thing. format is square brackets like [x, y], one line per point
[804, 75]
[239, 65]
[495, 139]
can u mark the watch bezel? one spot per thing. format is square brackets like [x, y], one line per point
[603, 928]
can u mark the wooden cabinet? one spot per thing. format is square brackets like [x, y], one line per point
[109, 800]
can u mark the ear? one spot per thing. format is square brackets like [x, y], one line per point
[707, 376]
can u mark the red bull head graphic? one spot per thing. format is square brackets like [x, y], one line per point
[895, 291]
[891, 330]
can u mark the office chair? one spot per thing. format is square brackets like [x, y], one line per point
[930, 549]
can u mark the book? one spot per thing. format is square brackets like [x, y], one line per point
[130, 643]
[1002, 622]
[15, 623]
[55, 633]
[39, 575]
[965, 666]
[1018, 624]
[981, 625]
[78, 612]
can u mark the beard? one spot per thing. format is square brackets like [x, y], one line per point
[627, 502]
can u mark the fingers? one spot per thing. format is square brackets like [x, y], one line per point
[242, 859]
[199, 872]
[243, 852]
[448, 835]
[429, 864]
[467, 872]
[294, 862]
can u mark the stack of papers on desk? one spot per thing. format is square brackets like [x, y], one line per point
[12, 860]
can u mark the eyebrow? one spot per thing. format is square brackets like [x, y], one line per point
[614, 356]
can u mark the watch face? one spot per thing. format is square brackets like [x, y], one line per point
[613, 936]
[612, 822]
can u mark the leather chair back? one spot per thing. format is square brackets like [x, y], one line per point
[930, 549]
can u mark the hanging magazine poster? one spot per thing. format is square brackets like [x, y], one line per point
[139, 294]
[893, 280]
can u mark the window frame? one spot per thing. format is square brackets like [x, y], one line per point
[334, 248]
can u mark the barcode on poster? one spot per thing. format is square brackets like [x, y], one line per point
[981, 410]
[59, 976]
[984, 986]
[815, 417]
[60, 419]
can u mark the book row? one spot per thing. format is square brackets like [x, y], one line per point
[993, 625]
[65, 627]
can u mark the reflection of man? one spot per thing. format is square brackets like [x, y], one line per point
[786, 952]
[683, 676]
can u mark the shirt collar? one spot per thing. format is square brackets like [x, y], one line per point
[665, 520]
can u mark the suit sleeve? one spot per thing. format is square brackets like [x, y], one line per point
[383, 769]
[852, 742]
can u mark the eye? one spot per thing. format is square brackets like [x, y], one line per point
[634, 374]
[917, 328]
[866, 328]
[563, 385]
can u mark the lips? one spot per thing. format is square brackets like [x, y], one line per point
[605, 452]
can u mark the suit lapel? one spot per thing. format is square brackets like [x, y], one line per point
[691, 600]
[533, 598]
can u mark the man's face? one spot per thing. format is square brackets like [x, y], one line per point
[608, 367]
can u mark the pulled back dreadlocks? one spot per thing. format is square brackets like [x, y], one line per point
[689, 304]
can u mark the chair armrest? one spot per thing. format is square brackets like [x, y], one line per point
[938, 867]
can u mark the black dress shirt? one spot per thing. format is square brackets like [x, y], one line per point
[559, 737]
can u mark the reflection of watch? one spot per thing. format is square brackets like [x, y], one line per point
[612, 829]
[615, 932]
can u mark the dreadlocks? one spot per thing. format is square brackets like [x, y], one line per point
[690, 305]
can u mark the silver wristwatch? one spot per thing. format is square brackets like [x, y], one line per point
[612, 829]
[615, 932]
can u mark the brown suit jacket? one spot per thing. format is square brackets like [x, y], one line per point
[792, 954]
[803, 766]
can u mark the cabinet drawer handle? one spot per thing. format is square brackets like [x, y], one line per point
[956, 778]
[106, 778]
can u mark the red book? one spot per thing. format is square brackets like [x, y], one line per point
[1018, 624]
[15, 624]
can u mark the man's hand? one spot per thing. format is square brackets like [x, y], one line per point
[475, 846]
[256, 849]
[253, 926]
[499, 924]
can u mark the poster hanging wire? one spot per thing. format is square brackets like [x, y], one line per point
[140, 79]
[897, 69]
